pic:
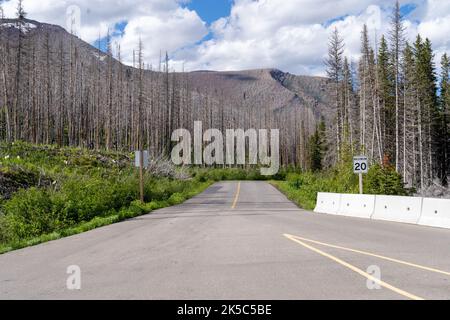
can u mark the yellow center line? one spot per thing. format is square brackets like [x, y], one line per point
[236, 198]
[374, 255]
[355, 269]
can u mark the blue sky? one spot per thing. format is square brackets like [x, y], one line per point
[208, 10]
[407, 8]
[211, 10]
[290, 35]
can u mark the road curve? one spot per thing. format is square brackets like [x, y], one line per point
[237, 240]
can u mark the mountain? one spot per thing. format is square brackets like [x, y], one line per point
[284, 89]
[89, 98]
[279, 89]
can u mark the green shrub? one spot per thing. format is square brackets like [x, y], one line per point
[176, 198]
[29, 214]
[384, 180]
[5, 232]
[82, 199]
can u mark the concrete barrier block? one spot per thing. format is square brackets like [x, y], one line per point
[357, 205]
[435, 213]
[328, 203]
[398, 209]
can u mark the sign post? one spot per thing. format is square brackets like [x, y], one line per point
[141, 162]
[360, 167]
[361, 189]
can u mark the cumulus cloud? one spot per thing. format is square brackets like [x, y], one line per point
[436, 23]
[170, 33]
[161, 24]
[261, 35]
[291, 35]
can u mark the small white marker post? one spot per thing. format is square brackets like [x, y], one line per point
[141, 162]
[360, 167]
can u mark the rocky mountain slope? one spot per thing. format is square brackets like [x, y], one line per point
[257, 87]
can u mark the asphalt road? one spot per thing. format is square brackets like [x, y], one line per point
[237, 241]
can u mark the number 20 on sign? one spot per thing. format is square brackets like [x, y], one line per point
[360, 167]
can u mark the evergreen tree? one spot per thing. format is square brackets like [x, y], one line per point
[334, 64]
[397, 41]
[427, 107]
[348, 104]
[364, 90]
[443, 132]
[317, 148]
[386, 92]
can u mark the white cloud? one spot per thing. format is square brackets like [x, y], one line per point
[261, 35]
[288, 34]
[167, 33]
[292, 34]
[161, 24]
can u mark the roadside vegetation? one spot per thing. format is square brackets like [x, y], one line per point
[302, 188]
[47, 192]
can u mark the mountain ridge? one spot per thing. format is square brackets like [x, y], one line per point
[294, 84]
[83, 84]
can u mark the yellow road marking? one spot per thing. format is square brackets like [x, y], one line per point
[236, 198]
[355, 269]
[374, 255]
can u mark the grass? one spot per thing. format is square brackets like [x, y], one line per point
[48, 192]
[136, 209]
[301, 200]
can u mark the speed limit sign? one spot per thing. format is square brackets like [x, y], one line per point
[360, 165]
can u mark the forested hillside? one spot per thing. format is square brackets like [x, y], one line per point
[58, 89]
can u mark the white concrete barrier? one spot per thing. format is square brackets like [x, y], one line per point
[357, 205]
[398, 209]
[328, 203]
[435, 213]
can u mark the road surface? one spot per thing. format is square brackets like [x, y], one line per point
[237, 240]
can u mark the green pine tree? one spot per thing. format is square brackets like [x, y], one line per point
[426, 91]
[443, 139]
[317, 148]
[386, 87]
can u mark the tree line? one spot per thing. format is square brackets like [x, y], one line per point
[56, 89]
[392, 106]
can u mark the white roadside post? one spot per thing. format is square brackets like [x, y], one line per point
[360, 167]
[141, 161]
